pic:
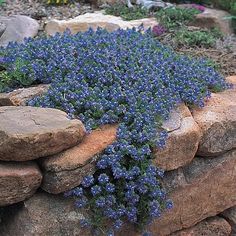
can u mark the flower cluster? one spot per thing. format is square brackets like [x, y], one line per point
[198, 7]
[158, 30]
[123, 77]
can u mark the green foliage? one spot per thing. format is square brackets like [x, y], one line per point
[1, 2]
[127, 13]
[205, 2]
[197, 38]
[58, 2]
[228, 5]
[16, 77]
[172, 18]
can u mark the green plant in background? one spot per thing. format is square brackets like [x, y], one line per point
[200, 38]
[1, 2]
[172, 18]
[205, 2]
[57, 1]
[127, 13]
[16, 77]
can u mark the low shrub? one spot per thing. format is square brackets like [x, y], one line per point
[123, 77]
[58, 1]
[200, 38]
[176, 17]
[126, 13]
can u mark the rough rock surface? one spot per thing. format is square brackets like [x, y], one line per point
[230, 216]
[184, 136]
[213, 18]
[42, 215]
[202, 189]
[19, 97]
[215, 226]
[66, 170]
[94, 20]
[17, 28]
[217, 121]
[27, 133]
[18, 181]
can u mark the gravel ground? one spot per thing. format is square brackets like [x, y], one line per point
[41, 11]
[223, 53]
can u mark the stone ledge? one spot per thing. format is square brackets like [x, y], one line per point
[19, 97]
[27, 133]
[18, 181]
[67, 169]
[94, 20]
[217, 121]
[182, 142]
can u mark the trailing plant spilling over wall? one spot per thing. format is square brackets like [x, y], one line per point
[123, 77]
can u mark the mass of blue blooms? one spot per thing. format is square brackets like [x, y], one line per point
[123, 77]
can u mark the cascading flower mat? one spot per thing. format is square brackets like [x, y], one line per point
[123, 77]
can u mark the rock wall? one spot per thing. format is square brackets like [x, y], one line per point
[43, 153]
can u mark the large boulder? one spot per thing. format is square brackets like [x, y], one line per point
[213, 18]
[214, 226]
[66, 170]
[230, 216]
[94, 20]
[27, 133]
[217, 121]
[183, 139]
[19, 97]
[18, 181]
[16, 28]
[42, 215]
[202, 189]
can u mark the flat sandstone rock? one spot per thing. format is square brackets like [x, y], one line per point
[214, 226]
[19, 97]
[182, 143]
[217, 121]
[66, 170]
[27, 133]
[18, 181]
[94, 20]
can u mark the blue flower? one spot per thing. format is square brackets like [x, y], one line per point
[103, 179]
[100, 202]
[87, 181]
[81, 202]
[117, 224]
[95, 190]
[110, 188]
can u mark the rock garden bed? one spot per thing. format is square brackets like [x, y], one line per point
[100, 127]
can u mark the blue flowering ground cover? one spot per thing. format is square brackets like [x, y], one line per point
[124, 77]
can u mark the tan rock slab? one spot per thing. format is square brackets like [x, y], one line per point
[94, 20]
[27, 133]
[182, 143]
[18, 181]
[230, 216]
[19, 97]
[217, 121]
[214, 18]
[215, 226]
[203, 189]
[66, 170]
